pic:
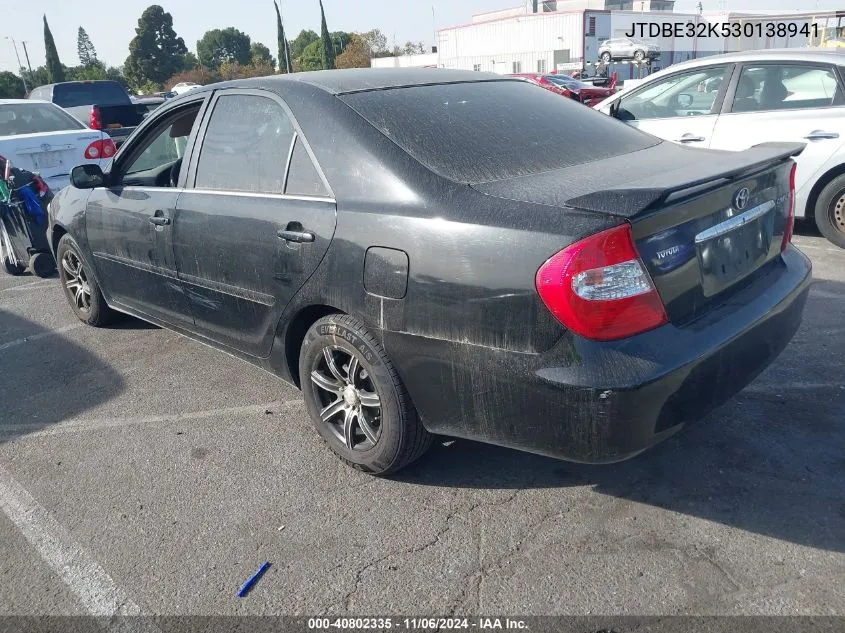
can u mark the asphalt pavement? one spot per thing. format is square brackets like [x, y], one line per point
[141, 472]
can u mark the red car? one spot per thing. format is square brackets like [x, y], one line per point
[545, 82]
[588, 94]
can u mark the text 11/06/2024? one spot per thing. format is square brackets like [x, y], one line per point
[415, 624]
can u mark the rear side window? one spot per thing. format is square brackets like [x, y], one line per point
[31, 118]
[303, 179]
[482, 131]
[246, 146]
[102, 93]
[782, 87]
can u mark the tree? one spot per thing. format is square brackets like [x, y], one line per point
[312, 56]
[355, 55]
[38, 77]
[190, 61]
[219, 46]
[11, 86]
[376, 41]
[284, 47]
[87, 73]
[260, 54]
[413, 49]
[116, 74]
[298, 46]
[156, 53]
[85, 49]
[195, 76]
[340, 40]
[327, 53]
[55, 70]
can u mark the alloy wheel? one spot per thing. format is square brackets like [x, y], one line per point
[76, 281]
[347, 399]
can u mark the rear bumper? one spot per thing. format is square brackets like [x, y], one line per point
[597, 402]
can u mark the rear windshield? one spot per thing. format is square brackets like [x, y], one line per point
[96, 93]
[31, 118]
[482, 131]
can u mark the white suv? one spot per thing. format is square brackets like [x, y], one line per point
[737, 100]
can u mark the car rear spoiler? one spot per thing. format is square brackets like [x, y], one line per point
[658, 190]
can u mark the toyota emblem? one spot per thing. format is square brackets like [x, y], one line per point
[45, 147]
[741, 198]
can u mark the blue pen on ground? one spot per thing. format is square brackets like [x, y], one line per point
[252, 580]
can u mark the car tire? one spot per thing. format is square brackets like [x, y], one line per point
[639, 55]
[13, 268]
[42, 265]
[605, 57]
[830, 211]
[356, 399]
[80, 288]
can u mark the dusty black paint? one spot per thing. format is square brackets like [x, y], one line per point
[481, 356]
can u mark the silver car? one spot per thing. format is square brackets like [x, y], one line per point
[627, 48]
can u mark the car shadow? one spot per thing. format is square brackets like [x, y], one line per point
[771, 460]
[46, 379]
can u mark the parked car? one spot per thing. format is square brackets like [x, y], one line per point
[185, 86]
[430, 251]
[101, 105]
[737, 100]
[41, 137]
[623, 48]
[588, 94]
[543, 81]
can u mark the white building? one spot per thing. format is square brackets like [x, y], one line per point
[565, 35]
[424, 60]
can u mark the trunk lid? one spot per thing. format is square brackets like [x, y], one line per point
[49, 153]
[703, 221]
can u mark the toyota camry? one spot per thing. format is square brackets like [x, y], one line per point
[442, 252]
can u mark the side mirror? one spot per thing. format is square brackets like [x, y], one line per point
[684, 100]
[614, 109]
[87, 177]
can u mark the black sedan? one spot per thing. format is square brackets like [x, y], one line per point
[443, 252]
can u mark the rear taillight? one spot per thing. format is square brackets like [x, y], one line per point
[599, 288]
[94, 122]
[790, 218]
[104, 148]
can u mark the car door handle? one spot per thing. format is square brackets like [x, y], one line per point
[691, 138]
[296, 236]
[817, 135]
[159, 220]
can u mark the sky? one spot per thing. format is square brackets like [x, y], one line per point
[111, 29]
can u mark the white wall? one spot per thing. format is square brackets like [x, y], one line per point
[524, 39]
[426, 60]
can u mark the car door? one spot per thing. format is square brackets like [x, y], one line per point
[129, 223]
[681, 107]
[255, 221]
[787, 101]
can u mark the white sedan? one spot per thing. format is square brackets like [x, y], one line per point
[39, 136]
[734, 101]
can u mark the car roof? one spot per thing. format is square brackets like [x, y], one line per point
[771, 54]
[338, 82]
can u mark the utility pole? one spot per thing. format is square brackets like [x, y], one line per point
[20, 66]
[26, 54]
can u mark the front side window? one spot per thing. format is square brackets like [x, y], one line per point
[165, 146]
[682, 94]
[782, 87]
[246, 146]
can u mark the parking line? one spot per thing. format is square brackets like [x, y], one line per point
[100, 595]
[36, 337]
[82, 425]
[32, 285]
